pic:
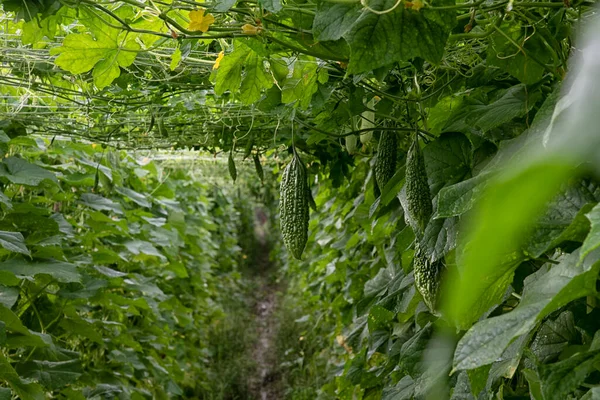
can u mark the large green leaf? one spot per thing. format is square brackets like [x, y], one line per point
[8, 296]
[138, 198]
[59, 270]
[13, 241]
[51, 374]
[448, 160]
[525, 65]
[229, 73]
[479, 114]
[377, 40]
[403, 390]
[544, 292]
[256, 79]
[506, 214]
[459, 198]
[26, 390]
[334, 20]
[5, 394]
[554, 336]
[561, 378]
[106, 51]
[100, 203]
[22, 172]
[592, 241]
[302, 84]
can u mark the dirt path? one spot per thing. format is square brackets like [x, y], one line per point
[265, 384]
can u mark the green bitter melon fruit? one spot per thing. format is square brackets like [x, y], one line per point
[418, 196]
[427, 278]
[385, 164]
[293, 207]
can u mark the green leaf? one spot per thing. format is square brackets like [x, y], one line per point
[26, 390]
[302, 84]
[462, 389]
[5, 394]
[273, 6]
[403, 390]
[561, 378]
[506, 214]
[411, 353]
[592, 394]
[224, 5]
[21, 172]
[477, 114]
[592, 241]
[100, 203]
[59, 270]
[229, 74]
[399, 35]
[175, 59]
[8, 296]
[138, 247]
[459, 198]
[379, 318]
[12, 322]
[52, 374]
[138, 198]
[13, 241]
[554, 336]
[334, 20]
[105, 53]
[35, 30]
[544, 292]
[535, 384]
[81, 328]
[558, 217]
[439, 238]
[524, 64]
[256, 79]
[448, 160]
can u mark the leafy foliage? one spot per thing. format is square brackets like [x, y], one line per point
[110, 269]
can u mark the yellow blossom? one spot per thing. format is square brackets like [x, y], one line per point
[415, 5]
[199, 21]
[218, 60]
[249, 29]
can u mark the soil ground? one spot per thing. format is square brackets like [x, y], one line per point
[265, 383]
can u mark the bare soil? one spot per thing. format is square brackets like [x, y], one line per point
[265, 383]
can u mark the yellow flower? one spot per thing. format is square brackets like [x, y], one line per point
[415, 5]
[218, 60]
[249, 29]
[199, 21]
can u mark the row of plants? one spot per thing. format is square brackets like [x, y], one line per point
[117, 273]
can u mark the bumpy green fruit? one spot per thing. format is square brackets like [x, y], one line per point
[427, 278]
[293, 207]
[385, 164]
[418, 196]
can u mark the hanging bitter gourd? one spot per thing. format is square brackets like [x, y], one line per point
[385, 163]
[427, 277]
[293, 206]
[418, 196]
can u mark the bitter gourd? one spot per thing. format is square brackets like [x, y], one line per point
[427, 277]
[293, 207]
[418, 196]
[385, 164]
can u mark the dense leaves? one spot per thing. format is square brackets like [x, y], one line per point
[114, 268]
